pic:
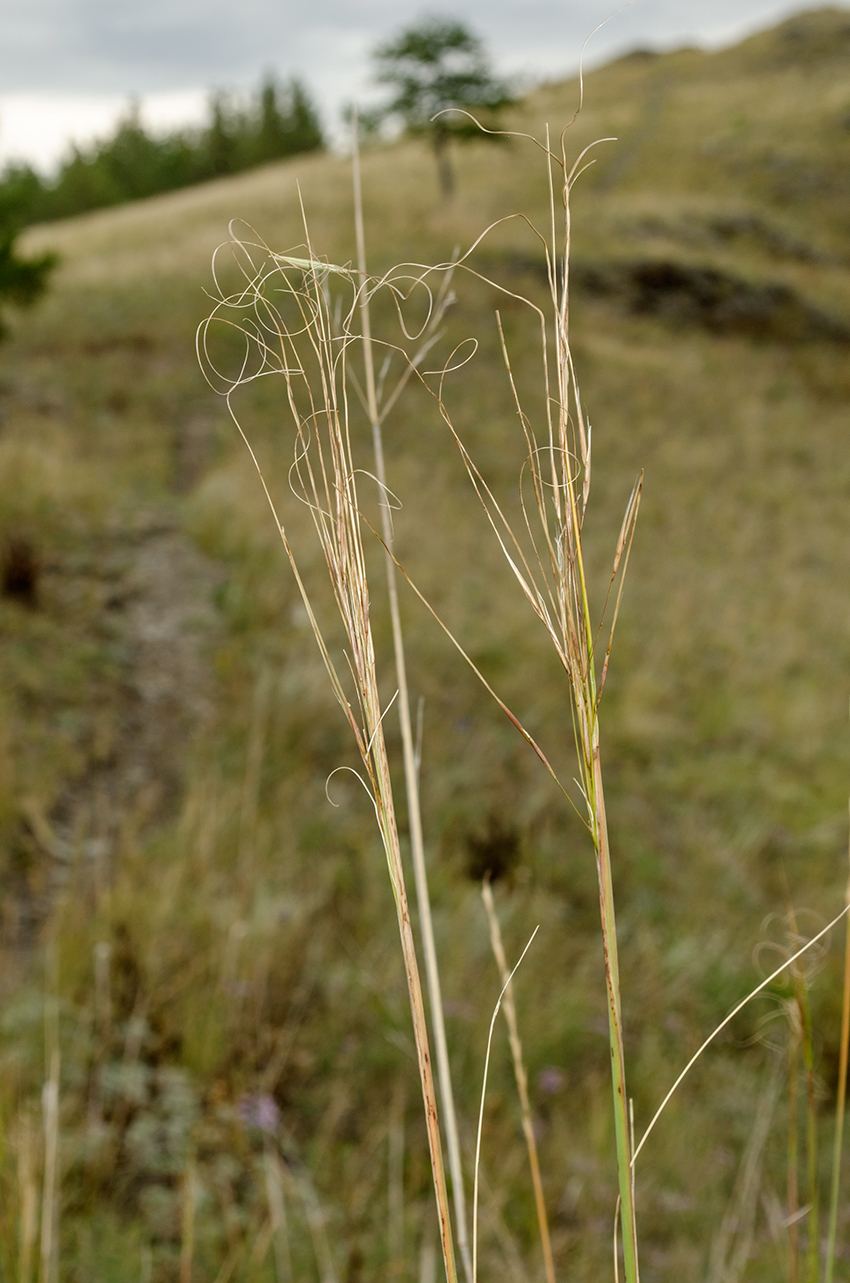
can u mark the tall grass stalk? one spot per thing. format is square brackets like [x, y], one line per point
[285, 313]
[553, 578]
[411, 769]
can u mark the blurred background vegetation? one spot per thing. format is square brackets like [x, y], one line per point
[278, 121]
[199, 951]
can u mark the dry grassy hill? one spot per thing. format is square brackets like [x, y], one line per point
[215, 941]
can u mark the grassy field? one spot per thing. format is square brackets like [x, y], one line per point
[206, 941]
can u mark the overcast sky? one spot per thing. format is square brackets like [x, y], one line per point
[68, 67]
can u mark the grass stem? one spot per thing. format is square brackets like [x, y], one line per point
[552, 577]
[622, 1132]
[410, 757]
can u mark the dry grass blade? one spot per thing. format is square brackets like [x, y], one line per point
[483, 680]
[521, 1080]
[476, 1181]
[774, 975]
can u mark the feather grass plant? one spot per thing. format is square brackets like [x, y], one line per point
[285, 313]
[311, 352]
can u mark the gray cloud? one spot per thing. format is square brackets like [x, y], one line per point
[115, 46]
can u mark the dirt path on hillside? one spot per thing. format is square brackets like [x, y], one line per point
[151, 591]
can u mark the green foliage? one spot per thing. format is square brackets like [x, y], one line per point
[433, 68]
[279, 121]
[22, 279]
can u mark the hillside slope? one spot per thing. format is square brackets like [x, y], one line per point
[219, 939]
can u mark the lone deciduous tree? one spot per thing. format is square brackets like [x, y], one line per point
[434, 67]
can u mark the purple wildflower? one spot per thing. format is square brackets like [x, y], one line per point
[260, 1110]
